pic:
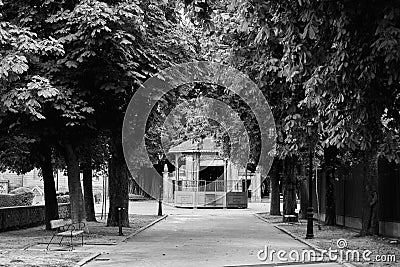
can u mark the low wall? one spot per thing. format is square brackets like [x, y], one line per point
[388, 229]
[347, 221]
[191, 199]
[26, 216]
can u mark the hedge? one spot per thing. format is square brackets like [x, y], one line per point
[12, 200]
[63, 199]
[27, 216]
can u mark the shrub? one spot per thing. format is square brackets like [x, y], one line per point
[20, 190]
[63, 199]
[12, 200]
[133, 197]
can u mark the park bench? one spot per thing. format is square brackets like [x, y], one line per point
[65, 228]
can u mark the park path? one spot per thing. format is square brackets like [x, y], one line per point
[200, 238]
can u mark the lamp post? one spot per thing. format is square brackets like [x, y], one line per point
[311, 127]
[160, 157]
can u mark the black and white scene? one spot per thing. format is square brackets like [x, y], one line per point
[177, 133]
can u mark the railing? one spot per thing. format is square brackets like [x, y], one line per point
[208, 186]
[211, 186]
[249, 174]
[235, 186]
[200, 186]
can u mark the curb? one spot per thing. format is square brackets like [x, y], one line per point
[87, 259]
[278, 264]
[28, 246]
[142, 229]
[94, 255]
[261, 218]
[302, 240]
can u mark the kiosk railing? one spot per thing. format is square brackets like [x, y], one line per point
[208, 186]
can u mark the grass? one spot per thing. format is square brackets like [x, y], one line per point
[40, 258]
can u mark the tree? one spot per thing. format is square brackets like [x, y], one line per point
[110, 50]
[302, 187]
[19, 50]
[21, 154]
[50, 198]
[289, 186]
[94, 157]
[330, 165]
[49, 110]
[334, 62]
[261, 60]
[352, 88]
[275, 191]
[346, 71]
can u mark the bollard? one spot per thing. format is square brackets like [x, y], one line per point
[120, 221]
[159, 208]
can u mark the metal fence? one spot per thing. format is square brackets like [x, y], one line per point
[349, 192]
[208, 186]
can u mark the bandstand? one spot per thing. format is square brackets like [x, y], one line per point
[202, 178]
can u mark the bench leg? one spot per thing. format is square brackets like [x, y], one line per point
[82, 240]
[47, 248]
[72, 244]
[61, 241]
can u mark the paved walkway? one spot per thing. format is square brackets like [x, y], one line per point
[150, 207]
[202, 237]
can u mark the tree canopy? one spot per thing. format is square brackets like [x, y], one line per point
[69, 68]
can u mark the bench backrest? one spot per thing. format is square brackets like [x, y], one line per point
[59, 223]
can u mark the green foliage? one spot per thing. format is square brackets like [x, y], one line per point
[20, 49]
[32, 106]
[114, 47]
[335, 62]
[72, 68]
[186, 113]
[12, 200]
[15, 153]
[63, 199]
[76, 89]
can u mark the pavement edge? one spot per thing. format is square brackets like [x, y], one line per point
[302, 240]
[143, 228]
[87, 259]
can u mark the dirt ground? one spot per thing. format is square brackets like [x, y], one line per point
[326, 237]
[17, 248]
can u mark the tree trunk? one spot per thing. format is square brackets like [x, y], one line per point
[330, 213]
[74, 184]
[50, 198]
[303, 189]
[275, 208]
[118, 183]
[290, 203]
[370, 220]
[88, 192]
